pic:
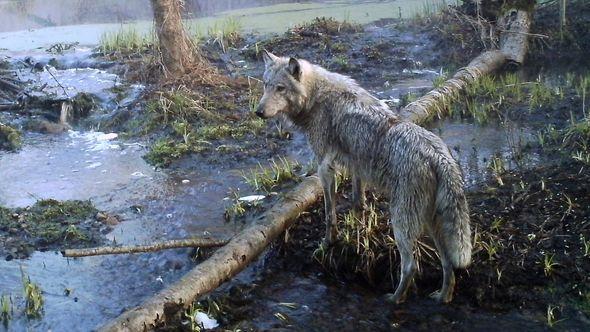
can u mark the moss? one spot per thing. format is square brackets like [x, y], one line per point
[10, 138]
[49, 221]
[83, 104]
[327, 25]
[339, 47]
[194, 123]
[165, 151]
[341, 62]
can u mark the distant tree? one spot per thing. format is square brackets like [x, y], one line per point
[23, 6]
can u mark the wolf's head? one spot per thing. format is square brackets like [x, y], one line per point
[284, 88]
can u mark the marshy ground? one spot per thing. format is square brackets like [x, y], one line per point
[522, 140]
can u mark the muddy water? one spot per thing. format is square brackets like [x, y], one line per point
[472, 144]
[153, 205]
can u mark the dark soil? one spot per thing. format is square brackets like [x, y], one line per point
[572, 43]
[373, 54]
[544, 213]
[49, 225]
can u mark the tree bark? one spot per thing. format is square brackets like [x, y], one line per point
[171, 244]
[232, 258]
[177, 51]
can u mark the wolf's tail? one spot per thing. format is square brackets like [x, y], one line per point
[453, 212]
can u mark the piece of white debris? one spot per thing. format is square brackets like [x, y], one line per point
[251, 198]
[107, 137]
[138, 174]
[94, 165]
[159, 278]
[206, 321]
[185, 181]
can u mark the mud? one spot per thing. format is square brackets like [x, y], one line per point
[51, 224]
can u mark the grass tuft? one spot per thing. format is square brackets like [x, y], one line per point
[5, 310]
[267, 178]
[33, 297]
[125, 40]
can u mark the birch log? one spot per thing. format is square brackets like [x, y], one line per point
[170, 244]
[242, 249]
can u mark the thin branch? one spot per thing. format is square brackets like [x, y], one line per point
[56, 81]
[171, 244]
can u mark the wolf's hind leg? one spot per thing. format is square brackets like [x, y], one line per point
[408, 267]
[410, 210]
[326, 173]
[445, 294]
[358, 193]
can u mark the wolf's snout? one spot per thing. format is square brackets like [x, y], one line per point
[260, 111]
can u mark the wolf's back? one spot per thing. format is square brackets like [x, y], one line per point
[453, 211]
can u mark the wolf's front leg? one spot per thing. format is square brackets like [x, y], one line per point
[326, 173]
[358, 193]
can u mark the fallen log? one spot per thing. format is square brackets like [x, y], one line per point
[9, 106]
[515, 25]
[435, 103]
[232, 258]
[7, 85]
[223, 263]
[170, 244]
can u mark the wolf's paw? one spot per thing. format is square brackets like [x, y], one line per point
[440, 297]
[394, 298]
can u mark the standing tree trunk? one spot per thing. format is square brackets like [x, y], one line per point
[177, 51]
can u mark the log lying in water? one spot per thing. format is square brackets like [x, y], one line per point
[242, 249]
[223, 263]
[10, 89]
[170, 244]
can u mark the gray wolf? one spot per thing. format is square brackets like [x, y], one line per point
[348, 127]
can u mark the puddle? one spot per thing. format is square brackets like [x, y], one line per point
[72, 165]
[474, 146]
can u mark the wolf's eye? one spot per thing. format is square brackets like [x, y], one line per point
[280, 88]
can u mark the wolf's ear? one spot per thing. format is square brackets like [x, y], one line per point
[294, 68]
[268, 58]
